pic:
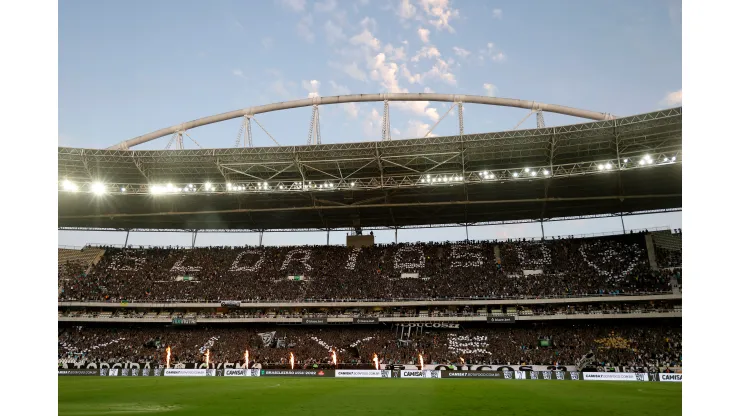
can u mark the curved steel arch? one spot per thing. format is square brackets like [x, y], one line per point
[356, 98]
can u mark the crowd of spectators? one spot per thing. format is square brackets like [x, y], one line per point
[525, 269]
[668, 258]
[417, 312]
[612, 344]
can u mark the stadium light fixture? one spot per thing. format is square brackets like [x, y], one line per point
[69, 186]
[673, 159]
[534, 173]
[626, 160]
[123, 189]
[642, 162]
[208, 186]
[608, 166]
[97, 188]
[601, 167]
[516, 174]
[352, 184]
[281, 186]
[526, 170]
[546, 172]
[665, 160]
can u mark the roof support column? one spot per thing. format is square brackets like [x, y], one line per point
[125, 243]
[262, 233]
[195, 235]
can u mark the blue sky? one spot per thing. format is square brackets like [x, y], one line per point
[128, 68]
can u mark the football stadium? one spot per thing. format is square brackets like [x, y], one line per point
[548, 325]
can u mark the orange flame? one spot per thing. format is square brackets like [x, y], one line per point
[421, 362]
[246, 358]
[208, 357]
[334, 358]
[375, 360]
[292, 361]
[168, 356]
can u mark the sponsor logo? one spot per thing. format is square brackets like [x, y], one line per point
[475, 374]
[113, 372]
[365, 320]
[501, 319]
[103, 371]
[546, 375]
[575, 375]
[235, 373]
[534, 375]
[508, 375]
[432, 325]
[125, 372]
[615, 376]
[677, 378]
[412, 374]
[362, 373]
[145, 372]
[303, 373]
[560, 375]
[313, 321]
[157, 372]
[78, 372]
[187, 372]
[135, 372]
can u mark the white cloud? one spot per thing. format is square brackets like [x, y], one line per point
[312, 87]
[350, 69]
[440, 13]
[372, 127]
[423, 34]
[407, 10]
[491, 89]
[463, 53]
[267, 42]
[492, 52]
[333, 32]
[337, 89]
[498, 14]
[367, 39]
[674, 98]
[369, 24]
[293, 5]
[237, 72]
[430, 52]
[411, 78]
[397, 54]
[326, 6]
[304, 28]
[441, 71]
[416, 129]
[428, 90]
[279, 88]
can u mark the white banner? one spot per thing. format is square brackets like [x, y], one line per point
[189, 372]
[615, 376]
[676, 378]
[409, 275]
[531, 272]
[421, 374]
[363, 373]
[484, 367]
[113, 372]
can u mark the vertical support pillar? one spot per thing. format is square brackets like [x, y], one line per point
[396, 235]
[542, 228]
[621, 217]
[262, 232]
[125, 243]
[195, 235]
[466, 233]
[327, 237]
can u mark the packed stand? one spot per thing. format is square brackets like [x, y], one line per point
[557, 268]
[612, 345]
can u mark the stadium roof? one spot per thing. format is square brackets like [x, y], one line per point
[611, 167]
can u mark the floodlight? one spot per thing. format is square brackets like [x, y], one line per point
[608, 166]
[673, 159]
[533, 173]
[642, 162]
[516, 175]
[123, 189]
[98, 188]
[601, 167]
[353, 184]
[69, 186]
[545, 172]
[526, 170]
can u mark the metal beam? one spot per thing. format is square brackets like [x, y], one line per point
[384, 205]
[358, 98]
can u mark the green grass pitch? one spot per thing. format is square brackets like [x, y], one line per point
[224, 396]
